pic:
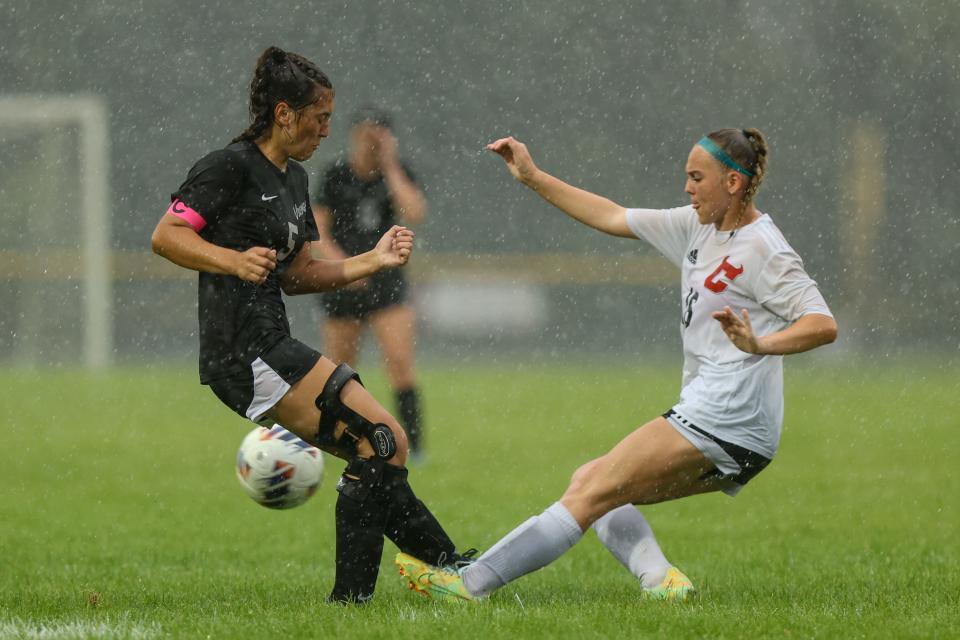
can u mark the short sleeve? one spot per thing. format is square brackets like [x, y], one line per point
[667, 230]
[786, 290]
[211, 184]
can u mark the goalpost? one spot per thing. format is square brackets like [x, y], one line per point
[39, 114]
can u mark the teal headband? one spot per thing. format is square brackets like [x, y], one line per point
[722, 156]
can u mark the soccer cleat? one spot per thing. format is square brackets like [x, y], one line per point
[434, 582]
[675, 586]
[458, 561]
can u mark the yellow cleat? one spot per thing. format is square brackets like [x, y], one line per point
[434, 582]
[675, 586]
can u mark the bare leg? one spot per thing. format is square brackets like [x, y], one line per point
[341, 339]
[653, 464]
[395, 330]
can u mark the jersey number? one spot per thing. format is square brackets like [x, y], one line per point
[291, 242]
[692, 296]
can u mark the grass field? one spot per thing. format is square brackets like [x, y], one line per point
[120, 516]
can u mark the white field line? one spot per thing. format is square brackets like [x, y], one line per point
[80, 630]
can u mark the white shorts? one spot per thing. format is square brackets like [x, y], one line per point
[735, 465]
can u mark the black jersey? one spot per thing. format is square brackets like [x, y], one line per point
[361, 211]
[245, 201]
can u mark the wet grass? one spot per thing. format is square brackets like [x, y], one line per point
[120, 516]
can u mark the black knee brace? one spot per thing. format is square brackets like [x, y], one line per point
[332, 411]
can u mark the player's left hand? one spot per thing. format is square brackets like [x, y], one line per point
[395, 247]
[738, 329]
[517, 157]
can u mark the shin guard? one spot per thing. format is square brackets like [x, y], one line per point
[411, 526]
[362, 512]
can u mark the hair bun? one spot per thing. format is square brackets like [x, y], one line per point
[276, 54]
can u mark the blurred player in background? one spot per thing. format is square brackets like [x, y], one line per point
[356, 202]
[746, 301]
[242, 219]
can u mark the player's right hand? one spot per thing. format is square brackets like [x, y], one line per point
[255, 264]
[394, 247]
[515, 154]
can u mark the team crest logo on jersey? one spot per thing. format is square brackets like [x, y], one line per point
[300, 209]
[727, 271]
[692, 257]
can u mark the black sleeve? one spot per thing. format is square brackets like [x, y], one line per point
[211, 184]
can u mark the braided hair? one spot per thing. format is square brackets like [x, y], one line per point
[281, 76]
[748, 148]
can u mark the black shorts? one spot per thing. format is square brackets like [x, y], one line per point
[253, 393]
[381, 291]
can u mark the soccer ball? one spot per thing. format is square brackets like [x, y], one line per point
[277, 469]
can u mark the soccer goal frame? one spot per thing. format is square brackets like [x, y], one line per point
[89, 115]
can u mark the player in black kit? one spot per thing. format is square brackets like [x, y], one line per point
[357, 200]
[242, 219]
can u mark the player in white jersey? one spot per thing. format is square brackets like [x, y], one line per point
[746, 301]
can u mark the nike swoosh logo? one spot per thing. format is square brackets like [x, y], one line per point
[428, 579]
[267, 198]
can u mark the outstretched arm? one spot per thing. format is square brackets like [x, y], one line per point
[809, 332]
[311, 274]
[586, 207]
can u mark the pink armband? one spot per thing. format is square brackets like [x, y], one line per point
[182, 211]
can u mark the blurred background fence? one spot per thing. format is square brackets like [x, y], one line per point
[858, 99]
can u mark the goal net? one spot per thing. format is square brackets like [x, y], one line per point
[55, 279]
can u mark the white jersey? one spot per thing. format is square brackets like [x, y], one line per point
[734, 395]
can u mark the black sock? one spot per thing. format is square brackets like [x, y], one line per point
[362, 511]
[408, 406]
[411, 526]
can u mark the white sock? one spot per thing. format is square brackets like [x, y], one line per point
[628, 536]
[531, 546]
